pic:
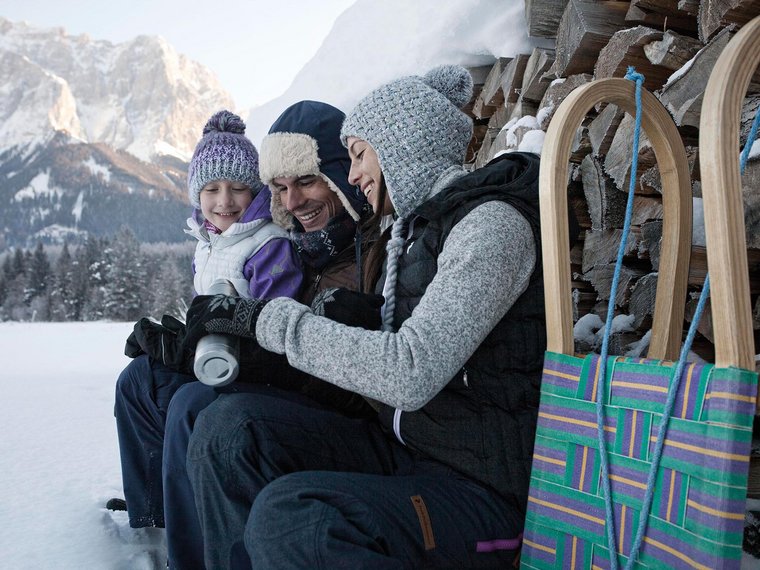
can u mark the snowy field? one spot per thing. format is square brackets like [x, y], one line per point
[59, 458]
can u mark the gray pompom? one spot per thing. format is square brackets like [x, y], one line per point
[224, 122]
[453, 81]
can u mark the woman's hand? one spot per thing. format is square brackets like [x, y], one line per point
[221, 314]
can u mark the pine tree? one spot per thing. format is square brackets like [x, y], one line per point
[13, 307]
[126, 279]
[61, 295]
[90, 271]
[37, 275]
[168, 288]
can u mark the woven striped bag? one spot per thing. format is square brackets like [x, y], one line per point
[698, 489]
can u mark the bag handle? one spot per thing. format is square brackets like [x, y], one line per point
[722, 198]
[670, 299]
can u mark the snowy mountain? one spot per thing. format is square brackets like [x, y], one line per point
[140, 96]
[95, 135]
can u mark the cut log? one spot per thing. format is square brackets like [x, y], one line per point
[585, 28]
[581, 147]
[556, 93]
[479, 74]
[751, 197]
[490, 96]
[646, 209]
[617, 162]
[704, 327]
[602, 129]
[682, 95]
[522, 109]
[673, 51]
[512, 78]
[650, 181]
[651, 239]
[534, 83]
[478, 135]
[606, 204]
[600, 248]
[717, 14]
[690, 7]
[500, 117]
[641, 305]
[626, 48]
[698, 268]
[661, 15]
[601, 279]
[543, 16]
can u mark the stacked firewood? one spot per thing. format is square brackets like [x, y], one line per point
[674, 44]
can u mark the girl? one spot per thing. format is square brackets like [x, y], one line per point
[237, 241]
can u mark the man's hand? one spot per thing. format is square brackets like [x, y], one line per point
[350, 308]
[221, 314]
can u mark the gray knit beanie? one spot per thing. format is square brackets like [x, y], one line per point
[224, 152]
[417, 129]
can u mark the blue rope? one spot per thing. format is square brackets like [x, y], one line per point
[601, 386]
[750, 139]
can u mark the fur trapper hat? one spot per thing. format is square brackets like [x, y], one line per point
[304, 141]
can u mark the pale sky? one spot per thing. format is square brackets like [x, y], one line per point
[255, 47]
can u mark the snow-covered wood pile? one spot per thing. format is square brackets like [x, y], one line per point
[674, 44]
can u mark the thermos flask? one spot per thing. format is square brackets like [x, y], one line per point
[217, 355]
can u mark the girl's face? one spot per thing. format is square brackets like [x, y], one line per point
[366, 174]
[224, 201]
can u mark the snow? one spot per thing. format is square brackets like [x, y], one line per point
[60, 459]
[96, 169]
[38, 186]
[404, 38]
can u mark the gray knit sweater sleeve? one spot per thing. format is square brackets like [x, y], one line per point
[485, 265]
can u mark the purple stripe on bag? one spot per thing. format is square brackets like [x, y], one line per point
[549, 460]
[715, 512]
[689, 392]
[624, 527]
[574, 552]
[675, 553]
[629, 482]
[584, 476]
[712, 452]
[728, 395]
[538, 546]
[634, 425]
[565, 510]
[670, 500]
[499, 544]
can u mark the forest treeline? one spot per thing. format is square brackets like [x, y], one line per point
[113, 278]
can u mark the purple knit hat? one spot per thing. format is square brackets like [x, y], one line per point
[224, 152]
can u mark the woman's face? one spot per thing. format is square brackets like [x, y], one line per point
[224, 201]
[366, 174]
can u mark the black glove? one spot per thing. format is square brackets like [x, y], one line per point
[350, 308]
[214, 314]
[162, 342]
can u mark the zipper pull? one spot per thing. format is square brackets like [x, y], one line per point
[464, 377]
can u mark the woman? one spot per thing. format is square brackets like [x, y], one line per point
[440, 479]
